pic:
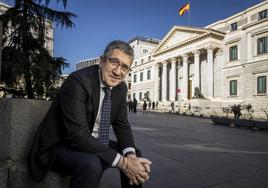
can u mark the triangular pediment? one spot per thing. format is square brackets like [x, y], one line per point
[180, 35]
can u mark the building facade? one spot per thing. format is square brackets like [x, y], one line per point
[226, 61]
[141, 77]
[87, 62]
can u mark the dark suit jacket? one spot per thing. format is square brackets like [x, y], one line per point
[71, 118]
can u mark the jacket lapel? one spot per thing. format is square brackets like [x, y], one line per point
[115, 100]
[95, 91]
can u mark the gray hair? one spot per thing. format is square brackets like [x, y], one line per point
[120, 45]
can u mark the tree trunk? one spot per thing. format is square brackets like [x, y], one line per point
[29, 88]
[27, 74]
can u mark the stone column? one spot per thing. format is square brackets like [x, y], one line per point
[184, 91]
[164, 81]
[156, 81]
[172, 80]
[210, 71]
[250, 52]
[196, 70]
[218, 78]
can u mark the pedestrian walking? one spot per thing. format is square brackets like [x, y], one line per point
[144, 107]
[130, 106]
[153, 105]
[135, 103]
[172, 107]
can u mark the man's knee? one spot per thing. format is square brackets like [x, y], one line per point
[91, 167]
[88, 172]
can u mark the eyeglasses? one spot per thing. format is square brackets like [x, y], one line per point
[114, 62]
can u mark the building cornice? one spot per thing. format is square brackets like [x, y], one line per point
[259, 32]
[237, 15]
[143, 64]
[210, 34]
[254, 23]
[233, 41]
[145, 39]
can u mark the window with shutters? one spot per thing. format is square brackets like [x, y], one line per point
[261, 84]
[135, 78]
[262, 44]
[233, 26]
[141, 76]
[262, 14]
[145, 51]
[233, 87]
[148, 74]
[233, 54]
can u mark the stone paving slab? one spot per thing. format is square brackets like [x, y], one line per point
[191, 152]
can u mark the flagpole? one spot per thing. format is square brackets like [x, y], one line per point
[189, 15]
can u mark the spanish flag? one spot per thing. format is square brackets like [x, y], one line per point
[184, 9]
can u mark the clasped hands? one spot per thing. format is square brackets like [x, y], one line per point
[136, 169]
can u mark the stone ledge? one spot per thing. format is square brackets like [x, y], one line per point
[3, 176]
[18, 177]
[19, 120]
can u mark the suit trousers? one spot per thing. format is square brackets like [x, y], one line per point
[85, 169]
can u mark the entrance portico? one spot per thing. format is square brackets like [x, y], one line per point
[184, 46]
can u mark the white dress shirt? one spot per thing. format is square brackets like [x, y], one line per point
[96, 127]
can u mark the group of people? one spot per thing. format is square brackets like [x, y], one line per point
[132, 105]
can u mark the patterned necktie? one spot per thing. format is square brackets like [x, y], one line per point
[105, 119]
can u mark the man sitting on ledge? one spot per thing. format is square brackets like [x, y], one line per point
[73, 137]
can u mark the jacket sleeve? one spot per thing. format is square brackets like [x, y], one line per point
[121, 125]
[73, 101]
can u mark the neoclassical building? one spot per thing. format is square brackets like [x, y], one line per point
[86, 63]
[227, 61]
[142, 82]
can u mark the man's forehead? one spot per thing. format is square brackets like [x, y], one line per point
[121, 55]
[118, 51]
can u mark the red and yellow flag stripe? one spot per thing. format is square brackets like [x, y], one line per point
[184, 9]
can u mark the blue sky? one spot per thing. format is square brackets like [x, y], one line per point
[101, 21]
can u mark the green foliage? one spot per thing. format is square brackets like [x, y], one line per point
[265, 110]
[227, 110]
[26, 63]
[249, 111]
[236, 109]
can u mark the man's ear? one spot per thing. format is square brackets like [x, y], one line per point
[102, 59]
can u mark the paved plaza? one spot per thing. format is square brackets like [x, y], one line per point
[190, 152]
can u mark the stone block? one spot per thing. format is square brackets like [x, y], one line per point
[19, 178]
[19, 120]
[4, 127]
[3, 176]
